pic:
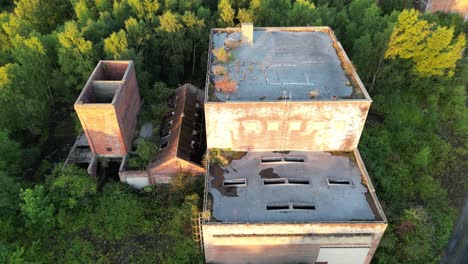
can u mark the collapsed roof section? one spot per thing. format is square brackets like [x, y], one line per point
[182, 133]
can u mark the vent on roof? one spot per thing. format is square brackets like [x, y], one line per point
[278, 181]
[271, 207]
[281, 159]
[303, 206]
[235, 182]
[294, 159]
[334, 181]
[298, 181]
[274, 181]
[271, 159]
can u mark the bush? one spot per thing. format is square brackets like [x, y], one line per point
[147, 150]
[222, 55]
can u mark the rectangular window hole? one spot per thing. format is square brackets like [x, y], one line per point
[332, 181]
[271, 159]
[272, 207]
[164, 144]
[303, 206]
[274, 181]
[235, 182]
[294, 159]
[109, 149]
[298, 181]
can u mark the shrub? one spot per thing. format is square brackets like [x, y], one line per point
[222, 55]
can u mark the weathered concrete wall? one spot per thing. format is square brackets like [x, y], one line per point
[285, 242]
[99, 122]
[286, 125]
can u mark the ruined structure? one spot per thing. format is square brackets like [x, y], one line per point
[182, 141]
[108, 107]
[284, 111]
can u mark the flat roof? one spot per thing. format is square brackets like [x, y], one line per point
[297, 63]
[289, 187]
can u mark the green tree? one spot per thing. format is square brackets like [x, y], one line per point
[116, 45]
[71, 187]
[10, 154]
[433, 49]
[245, 15]
[43, 16]
[302, 13]
[37, 208]
[9, 190]
[226, 13]
[76, 58]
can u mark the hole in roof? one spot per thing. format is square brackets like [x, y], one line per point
[271, 159]
[273, 181]
[271, 207]
[303, 206]
[298, 181]
[235, 182]
[294, 159]
[332, 181]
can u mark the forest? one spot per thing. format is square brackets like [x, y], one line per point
[414, 143]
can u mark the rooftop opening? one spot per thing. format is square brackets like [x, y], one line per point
[102, 92]
[298, 181]
[294, 159]
[303, 206]
[111, 71]
[274, 181]
[271, 207]
[271, 159]
[105, 82]
[333, 181]
[235, 182]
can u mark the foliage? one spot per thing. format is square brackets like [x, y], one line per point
[147, 150]
[226, 13]
[71, 187]
[37, 208]
[222, 55]
[9, 190]
[434, 51]
[414, 143]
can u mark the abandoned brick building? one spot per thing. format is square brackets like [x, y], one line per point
[285, 182]
[280, 119]
[108, 108]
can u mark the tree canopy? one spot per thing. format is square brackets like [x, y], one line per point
[414, 143]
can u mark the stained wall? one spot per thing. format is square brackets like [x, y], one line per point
[289, 242]
[286, 125]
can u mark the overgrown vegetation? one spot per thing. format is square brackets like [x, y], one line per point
[414, 143]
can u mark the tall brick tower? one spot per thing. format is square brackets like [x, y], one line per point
[108, 107]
